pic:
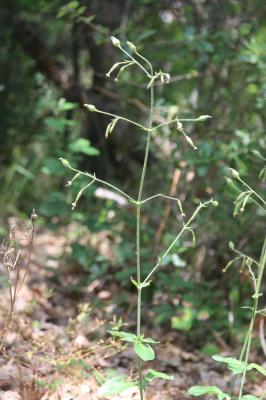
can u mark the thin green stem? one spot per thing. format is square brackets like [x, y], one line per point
[253, 191]
[248, 340]
[146, 60]
[245, 256]
[138, 64]
[121, 118]
[138, 220]
[94, 178]
[175, 120]
[159, 195]
[185, 228]
[238, 190]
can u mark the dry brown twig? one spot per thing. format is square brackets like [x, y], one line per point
[11, 257]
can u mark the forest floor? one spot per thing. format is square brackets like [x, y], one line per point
[57, 347]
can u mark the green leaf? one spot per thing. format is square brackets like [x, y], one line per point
[257, 367]
[127, 337]
[64, 105]
[236, 366]
[58, 124]
[200, 390]
[210, 349]
[152, 374]
[115, 386]
[52, 166]
[86, 20]
[144, 351]
[150, 340]
[82, 145]
[185, 321]
[249, 397]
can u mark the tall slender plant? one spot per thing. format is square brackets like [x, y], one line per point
[255, 268]
[142, 345]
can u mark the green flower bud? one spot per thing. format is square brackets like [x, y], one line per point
[115, 41]
[229, 180]
[132, 47]
[190, 142]
[231, 245]
[179, 125]
[90, 107]
[64, 162]
[234, 173]
[215, 203]
[203, 117]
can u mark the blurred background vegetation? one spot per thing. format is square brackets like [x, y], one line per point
[53, 58]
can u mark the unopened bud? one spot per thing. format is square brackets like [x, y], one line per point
[249, 262]
[167, 78]
[190, 142]
[215, 203]
[203, 117]
[234, 173]
[231, 245]
[179, 126]
[115, 41]
[132, 47]
[64, 162]
[256, 153]
[90, 107]
[229, 180]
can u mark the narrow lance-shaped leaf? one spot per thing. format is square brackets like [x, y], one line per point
[127, 337]
[236, 366]
[201, 390]
[258, 367]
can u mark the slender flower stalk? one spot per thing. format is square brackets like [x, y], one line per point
[141, 345]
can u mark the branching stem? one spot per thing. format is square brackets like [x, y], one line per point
[94, 178]
[139, 202]
[138, 216]
[247, 344]
[185, 228]
[159, 195]
[123, 119]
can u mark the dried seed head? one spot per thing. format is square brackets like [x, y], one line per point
[3, 247]
[33, 216]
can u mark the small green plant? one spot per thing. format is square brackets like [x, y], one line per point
[246, 194]
[142, 346]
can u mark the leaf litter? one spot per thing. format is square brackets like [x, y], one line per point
[57, 347]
